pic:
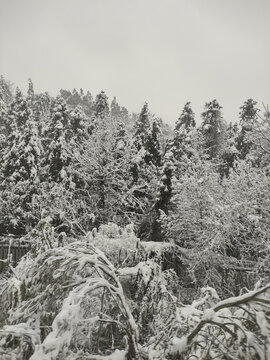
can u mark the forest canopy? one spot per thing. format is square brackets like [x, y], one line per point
[144, 241]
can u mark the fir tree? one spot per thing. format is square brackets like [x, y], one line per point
[58, 154]
[142, 128]
[30, 91]
[230, 153]
[65, 94]
[248, 116]
[163, 196]
[115, 109]
[140, 137]
[88, 104]
[75, 99]
[181, 136]
[77, 125]
[152, 145]
[6, 89]
[20, 168]
[165, 186]
[21, 109]
[213, 128]
[121, 139]
[101, 105]
[3, 114]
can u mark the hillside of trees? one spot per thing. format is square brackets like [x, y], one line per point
[146, 242]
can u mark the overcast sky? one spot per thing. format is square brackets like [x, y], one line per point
[165, 52]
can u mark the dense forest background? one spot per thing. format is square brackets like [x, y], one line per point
[188, 208]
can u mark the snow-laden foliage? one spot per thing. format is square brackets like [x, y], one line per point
[71, 303]
[129, 221]
[68, 301]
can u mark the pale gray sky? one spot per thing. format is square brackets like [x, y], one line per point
[165, 52]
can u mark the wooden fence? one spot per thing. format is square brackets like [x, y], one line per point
[11, 251]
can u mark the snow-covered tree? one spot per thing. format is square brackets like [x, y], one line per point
[101, 105]
[142, 128]
[20, 168]
[163, 197]
[183, 133]
[58, 157]
[152, 146]
[213, 128]
[6, 88]
[30, 91]
[78, 125]
[248, 117]
[115, 109]
[140, 137]
[229, 154]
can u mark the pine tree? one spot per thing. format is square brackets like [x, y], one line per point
[77, 125]
[22, 110]
[213, 127]
[101, 105]
[248, 116]
[183, 127]
[115, 109]
[230, 153]
[140, 137]
[65, 94]
[165, 186]
[23, 149]
[75, 99]
[142, 128]
[58, 154]
[163, 196]
[121, 139]
[20, 168]
[30, 92]
[152, 145]
[3, 114]
[88, 104]
[6, 89]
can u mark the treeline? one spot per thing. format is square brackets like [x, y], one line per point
[83, 163]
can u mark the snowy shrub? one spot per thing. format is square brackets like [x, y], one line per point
[119, 244]
[70, 300]
[71, 303]
[235, 328]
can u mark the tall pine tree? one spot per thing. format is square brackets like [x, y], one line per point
[182, 132]
[152, 146]
[58, 152]
[213, 128]
[248, 116]
[20, 169]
